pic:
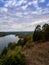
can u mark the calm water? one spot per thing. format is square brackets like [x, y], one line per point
[4, 41]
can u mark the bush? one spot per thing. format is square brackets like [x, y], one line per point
[12, 56]
[22, 42]
[11, 45]
[16, 58]
[4, 52]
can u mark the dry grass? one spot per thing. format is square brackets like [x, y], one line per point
[37, 54]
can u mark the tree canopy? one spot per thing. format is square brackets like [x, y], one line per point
[41, 33]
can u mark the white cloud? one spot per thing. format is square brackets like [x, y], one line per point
[14, 3]
[9, 23]
[3, 9]
[17, 26]
[41, 1]
[19, 14]
[34, 12]
[30, 3]
[8, 3]
[35, 3]
[26, 13]
[24, 7]
[20, 2]
[45, 11]
[22, 17]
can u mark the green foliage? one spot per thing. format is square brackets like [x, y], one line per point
[13, 56]
[37, 35]
[46, 32]
[19, 42]
[11, 45]
[41, 33]
[4, 52]
[15, 59]
[22, 42]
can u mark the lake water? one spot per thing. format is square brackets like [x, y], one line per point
[4, 41]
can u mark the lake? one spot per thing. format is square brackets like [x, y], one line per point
[5, 40]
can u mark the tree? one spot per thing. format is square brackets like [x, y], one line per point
[41, 33]
[45, 30]
[37, 35]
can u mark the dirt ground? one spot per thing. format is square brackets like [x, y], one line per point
[38, 54]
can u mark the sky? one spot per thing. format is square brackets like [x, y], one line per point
[23, 15]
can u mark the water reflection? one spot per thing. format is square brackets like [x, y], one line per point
[4, 41]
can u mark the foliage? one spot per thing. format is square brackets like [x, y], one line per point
[4, 52]
[37, 35]
[46, 32]
[11, 45]
[16, 59]
[12, 57]
[41, 33]
[22, 41]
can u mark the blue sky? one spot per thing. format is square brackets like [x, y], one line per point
[23, 15]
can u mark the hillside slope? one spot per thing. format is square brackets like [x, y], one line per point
[38, 54]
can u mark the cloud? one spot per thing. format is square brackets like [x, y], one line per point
[9, 23]
[3, 9]
[24, 7]
[11, 3]
[41, 1]
[7, 3]
[30, 3]
[35, 3]
[20, 15]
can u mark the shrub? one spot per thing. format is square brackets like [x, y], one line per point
[16, 58]
[4, 52]
[11, 45]
[22, 42]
